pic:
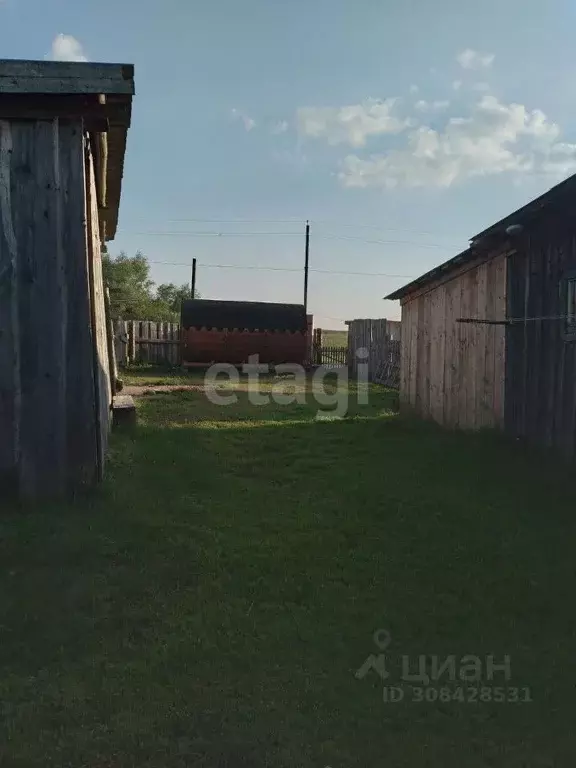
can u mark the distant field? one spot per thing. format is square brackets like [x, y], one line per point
[335, 338]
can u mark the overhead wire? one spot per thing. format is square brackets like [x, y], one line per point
[295, 220]
[280, 269]
[326, 236]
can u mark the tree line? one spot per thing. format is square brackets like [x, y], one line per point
[135, 296]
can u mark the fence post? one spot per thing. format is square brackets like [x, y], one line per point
[132, 342]
[317, 349]
[351, 346]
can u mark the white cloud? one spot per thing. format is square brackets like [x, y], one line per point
[470, 59]
[245, 119]
[414, 89]
[281, 126]
[456, 85]
[67, 48]
[293, 158]
[350, 124]
[431, 106]
[496, 138]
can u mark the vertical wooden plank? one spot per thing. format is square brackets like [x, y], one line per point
[160, 355]
[457, 331]
[113, 363]
[433, 356]
[441, 314]
[56, 446]
[524, 366]
[156, 349]
[101, 357]
[551, 340]
[488, 417]
[414, 364]
[405, 353]
[533, 335]
[371, 332]
[424, 351]
[351, 349]
[10, 392]
[168, 347]
[142, 349]
[42, 318]
[481, 413]
[471, 355]
[570, 385]
[449, 347]
[120, 333]
[514, 299]
[463, 364]
[167, 336]
[565, 406]
[80, 388]
[131, 341]
[500, 309]
[366, 343]
[437, 353]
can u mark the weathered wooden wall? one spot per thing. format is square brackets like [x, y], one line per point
[541, 356]
[454, 372]
[48, 421]
[372, 343]
[102, 373]
[45, 366]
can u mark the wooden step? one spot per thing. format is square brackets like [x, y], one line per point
[123, 411]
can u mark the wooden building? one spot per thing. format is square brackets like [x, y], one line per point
[233, 331]
[489, 337]
[63, 130]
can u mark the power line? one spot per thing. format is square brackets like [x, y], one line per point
[327, 236]
[214, 234]
[280, 269]
[294, 220]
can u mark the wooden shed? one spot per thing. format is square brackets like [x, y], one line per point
[489, 337]
[63, 130]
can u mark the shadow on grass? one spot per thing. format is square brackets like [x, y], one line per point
[211, 604]
[232, 404]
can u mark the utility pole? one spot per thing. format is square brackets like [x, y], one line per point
[306, 267]
[193, 284]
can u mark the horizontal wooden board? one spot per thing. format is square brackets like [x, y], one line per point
[38, 85]
[65, 77]
[16, 106]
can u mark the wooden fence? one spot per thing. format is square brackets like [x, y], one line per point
[375, 343]
[331, 357]
[144, 341]
[372, 342]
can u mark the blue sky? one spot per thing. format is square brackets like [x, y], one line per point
[399, 129]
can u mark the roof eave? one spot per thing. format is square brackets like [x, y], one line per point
[432, 275]
[55, 83]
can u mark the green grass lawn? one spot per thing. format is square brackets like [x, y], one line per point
[210, 605]
[150, 375]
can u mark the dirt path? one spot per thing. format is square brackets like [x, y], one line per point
[152, 389]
